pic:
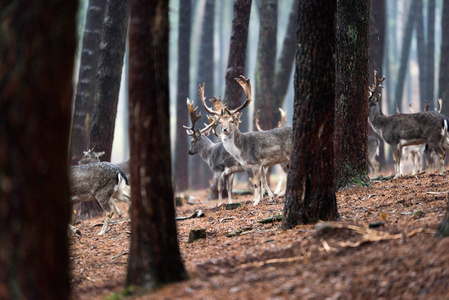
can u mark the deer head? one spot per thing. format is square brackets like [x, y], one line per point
[90, 157]
[373, 98]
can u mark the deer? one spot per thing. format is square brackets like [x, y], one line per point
[284, 166]
[253, 150]
[400, 130]
[373, 151]
[101, 181]
[90, 156]
[223, 164]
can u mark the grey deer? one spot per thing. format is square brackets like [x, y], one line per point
[400, 130]
[223, 164]
[101, 181]
[253, 150]
[284, 166]
[90, 156]
[373, 151]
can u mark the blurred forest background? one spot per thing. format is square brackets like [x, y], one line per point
[411, 64]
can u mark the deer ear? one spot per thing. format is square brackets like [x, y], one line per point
[98, 154]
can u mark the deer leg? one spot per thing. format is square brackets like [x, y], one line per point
[220, 177]
[264, 172]
[105, 200]
[229, 187]
[397, 156]
[257, 187]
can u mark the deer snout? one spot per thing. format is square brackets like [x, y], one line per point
[225, 130]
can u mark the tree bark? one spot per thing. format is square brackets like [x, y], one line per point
[310, 194]
[85, 91]
[350, 148]
[154, 257]
[284, 65]
[38, 42]
[109, 73]
[405, 53]
[200, 179]
[181, 146]
[237, 52]
[265, 64]
[430, 68]
[443, 79]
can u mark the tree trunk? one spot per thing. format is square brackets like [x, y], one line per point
[85, 94]
[265, 65]
[181, 146]
[310, 194]
[405, 53]
[284, 65]
[430, 68]
[200, 179]
[85, 91]
[237, 52]
[443, 228]
[352, 52]
[154, 256]
[37, 49]
[422, 55]
[109, 73]
[443, 91]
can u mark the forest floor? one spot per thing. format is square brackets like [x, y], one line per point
[400, 259]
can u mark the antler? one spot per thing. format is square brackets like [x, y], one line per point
[283, 120]
[246, 85]
[256, 120]
[377, 83]
[203, 100]
[440, 101]
[193, 116]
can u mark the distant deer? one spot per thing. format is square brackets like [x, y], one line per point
[401, 130]
[94, 157]
[101, 181]
[284, 166]
[254, 150]
[373, 151]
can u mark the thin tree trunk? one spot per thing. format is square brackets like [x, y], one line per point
[286, 59]
[443, 91]
[266, 60]
[422, 55]
[109, 73]
[430, 53]
[310, 194]
[154, 257]
[37, 49]
[85, 91]
[405, 53]
[181, 146]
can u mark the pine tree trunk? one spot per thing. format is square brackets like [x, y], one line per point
[109, 73]
[430, 68]
[181, 147]
[154, 256]
[310, 194]
[85, 91]
[265, 65]
[351, 124]
[422, 55]
[286, 59]
[443, 91]
[37, 49]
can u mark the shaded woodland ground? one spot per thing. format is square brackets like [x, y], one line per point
[400, 259]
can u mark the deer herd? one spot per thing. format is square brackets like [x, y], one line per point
[413, 134]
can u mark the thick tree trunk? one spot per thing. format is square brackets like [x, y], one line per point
[265, 65]
[181, 147]
[200, 178]
[109, 73]
[310, 194]
[37, 50]
[85, 91]
[284, 65]
[350, 148]
[154, 257]
[443, 79]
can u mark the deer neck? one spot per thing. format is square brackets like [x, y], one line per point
[376, 118]
[233, 143]
[206, 147]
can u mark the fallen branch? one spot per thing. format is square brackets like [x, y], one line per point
[271, 261]
[271, 219]
[118, 255]
[226, 219]
[196, 214]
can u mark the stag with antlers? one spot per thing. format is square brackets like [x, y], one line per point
[254, 150]
[223, 164]
[400, 130]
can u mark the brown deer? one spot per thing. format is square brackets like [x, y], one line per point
[400, 130]
[253, 150]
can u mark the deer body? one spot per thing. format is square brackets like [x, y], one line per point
[101, 181]
[401, 130]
